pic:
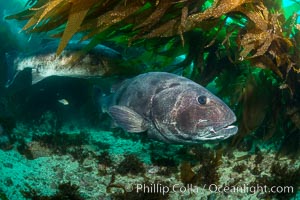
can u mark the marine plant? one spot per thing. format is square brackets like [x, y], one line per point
[77, 152]
[248, 49]
[167, 165]
[209, 161]
[290, 145]
[281, 175]
[60, 141]
[163, 161]
[66, 191]
[187, 175]
[259, 156]
[130, 165]
[239, 168]
[166, 159]
[208, 171]
[262, 33]
[105, 159]
[56, 143]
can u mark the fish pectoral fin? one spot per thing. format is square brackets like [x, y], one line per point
[127, 119]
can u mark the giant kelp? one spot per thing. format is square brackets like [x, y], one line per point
[251, 46]
[263, 35]
[150, 19]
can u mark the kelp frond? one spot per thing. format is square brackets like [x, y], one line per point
[79, 10]
[264, 37]
[149, 19]
[219, 8]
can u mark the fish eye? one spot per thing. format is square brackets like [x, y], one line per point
[202, 99]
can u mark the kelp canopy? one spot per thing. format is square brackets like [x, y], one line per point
[249, 45]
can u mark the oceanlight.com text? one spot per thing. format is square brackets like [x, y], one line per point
[249, 189]
[214, 188]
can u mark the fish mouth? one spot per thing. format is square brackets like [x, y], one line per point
[224, 132]
[224, 129]
[219, 132]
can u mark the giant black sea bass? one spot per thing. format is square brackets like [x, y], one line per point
[171, 109]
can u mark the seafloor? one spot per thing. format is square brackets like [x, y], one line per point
[95, 164]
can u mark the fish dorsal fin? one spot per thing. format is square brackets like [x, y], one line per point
[128, 119]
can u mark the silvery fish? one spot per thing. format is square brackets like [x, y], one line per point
[170, 108]
[44, 62]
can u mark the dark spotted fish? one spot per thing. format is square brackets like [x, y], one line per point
[171, 109]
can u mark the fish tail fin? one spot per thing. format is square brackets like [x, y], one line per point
[21, 80]
[11, 67]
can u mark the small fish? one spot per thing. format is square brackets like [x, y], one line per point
[170, 108]
[44, 62]
[63, 102]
